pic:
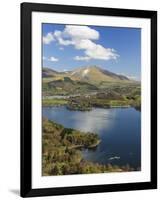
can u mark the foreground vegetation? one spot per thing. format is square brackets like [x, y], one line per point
[61, 152]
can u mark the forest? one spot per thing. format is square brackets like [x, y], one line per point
[61, 151]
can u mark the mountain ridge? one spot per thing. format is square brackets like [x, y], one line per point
[92, 74]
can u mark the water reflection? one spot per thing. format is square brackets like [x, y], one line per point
[119, 131]
[95, 120]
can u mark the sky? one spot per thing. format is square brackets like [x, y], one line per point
[117, 49]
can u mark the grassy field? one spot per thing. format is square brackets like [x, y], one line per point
[54, 102]
[83, 103]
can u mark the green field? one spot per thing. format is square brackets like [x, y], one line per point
[54, 102]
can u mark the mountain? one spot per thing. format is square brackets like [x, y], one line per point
[90, 74]
[95, 74]
[84, 80]
[47, 73]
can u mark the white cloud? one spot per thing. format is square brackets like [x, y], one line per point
[80, 32]
[59, 36]
[94, 51]
[82, 58]
[53, 59]
[99, 52]
[84, 44]
[81, 37]
[64, 42]
[48, 38]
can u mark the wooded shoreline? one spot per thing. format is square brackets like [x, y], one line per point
[62, 154]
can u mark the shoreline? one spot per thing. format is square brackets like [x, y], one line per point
[83, 110]
[86, 147]
[70, 158]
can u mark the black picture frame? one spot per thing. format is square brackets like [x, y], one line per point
[26, 103]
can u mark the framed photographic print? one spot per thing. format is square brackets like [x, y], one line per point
[88, 99]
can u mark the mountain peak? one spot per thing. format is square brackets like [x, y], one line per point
[90, 67]
[91, 73]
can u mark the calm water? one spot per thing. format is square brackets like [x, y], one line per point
[118, 128]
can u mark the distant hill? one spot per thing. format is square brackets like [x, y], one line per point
[47, 73]
[95, 74]
[67, 86]
[90, 74]
[82, 80]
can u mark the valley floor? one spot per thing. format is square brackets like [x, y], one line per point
[85, 103]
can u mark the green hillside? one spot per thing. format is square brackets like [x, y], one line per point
[82, 80]
[61, 151]
[88, 87]
[66, 86]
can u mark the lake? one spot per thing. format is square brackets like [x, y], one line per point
[118, 128]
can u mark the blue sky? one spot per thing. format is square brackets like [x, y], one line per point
[66, 47]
